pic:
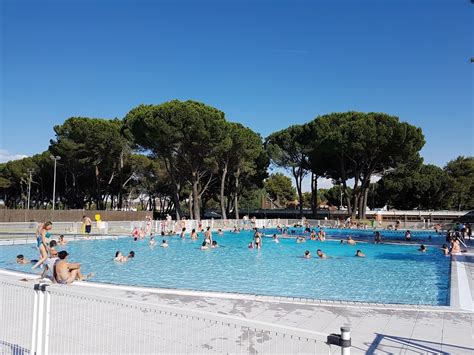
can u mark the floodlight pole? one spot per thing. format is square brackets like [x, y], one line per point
[55, 158]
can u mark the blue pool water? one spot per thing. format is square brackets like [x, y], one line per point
[389, 273]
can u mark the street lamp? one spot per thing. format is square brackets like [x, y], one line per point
[55, 158]
[29, 187]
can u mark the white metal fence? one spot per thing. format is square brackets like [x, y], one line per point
[57, 319]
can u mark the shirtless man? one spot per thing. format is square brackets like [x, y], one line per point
[351, 241]
[208, 236]
[87, 224]
[67, 273]
[320, 253]
[360, 254]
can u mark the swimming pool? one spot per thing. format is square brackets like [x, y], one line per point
[389, 274]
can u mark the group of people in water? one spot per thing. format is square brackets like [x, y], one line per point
[55, 263]
[57, 267]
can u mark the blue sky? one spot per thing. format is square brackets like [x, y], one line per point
[267, 64]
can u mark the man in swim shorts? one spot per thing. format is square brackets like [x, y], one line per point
[66, 273]
[87, 224]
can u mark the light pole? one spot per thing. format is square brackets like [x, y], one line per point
[29, 187]
[55, 158]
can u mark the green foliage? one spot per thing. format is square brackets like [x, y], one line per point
[461, 173]
[280, 189]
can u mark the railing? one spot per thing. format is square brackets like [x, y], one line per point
[47, 319]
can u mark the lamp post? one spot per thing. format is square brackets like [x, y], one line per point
[55, 158]
[29, 187]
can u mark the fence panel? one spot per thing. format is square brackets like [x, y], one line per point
[17, 301]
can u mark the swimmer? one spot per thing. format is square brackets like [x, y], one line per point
[214, 244]
[422, 248]
[407, 236]
[307, 254]
[208, 236]
[152, 241]
[131, 255]
[194, 235]
[250, 245]
[342, 242]
[377, 238]
[445, 249]
[204, 246]
[300, 239]
[312, 236]
[119, 258]
[62, 241]
[220, 232]
[275, 238]
[360, 254]
[320, 254]
[321, 235]
[41, 237]
[164, 244]
[257, 239]
[183, 235]
[20, 259]
[351, 241]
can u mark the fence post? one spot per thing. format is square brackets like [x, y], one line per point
[345, 341]
[41, 316]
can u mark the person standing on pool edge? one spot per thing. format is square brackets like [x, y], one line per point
[86, 221]
[41, 237]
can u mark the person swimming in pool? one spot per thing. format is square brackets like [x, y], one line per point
[351, 241]
[360, 254]
[214, 244]
[275, 238]
[20, 259]
[119, 257]
[131, 255]
[164, 244]
[250, 245]
[61, 240]
[312, 236]
[422, 248]
[377, 238]
[407, 236]
[320, 254]
[152, 241]
[194, 235]
[183, 235]
[220, 232]
[257, 239]
[204, 246]
[307, 254]
[208, 236]
[41, 240]
[300, 239]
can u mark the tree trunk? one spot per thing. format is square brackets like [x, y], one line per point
[195, 191]
[190, 204]
[236, 195]
[224, 174]
[314, 194]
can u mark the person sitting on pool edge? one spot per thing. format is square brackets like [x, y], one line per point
[422, 248]
[360, 254]
[307, 254]
[67, 273]
[320, 254]
[164, 244]
[204, 246]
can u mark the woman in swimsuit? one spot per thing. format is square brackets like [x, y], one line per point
[41, 237]
[258, 239]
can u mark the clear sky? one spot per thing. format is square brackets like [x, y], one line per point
[267, 64]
